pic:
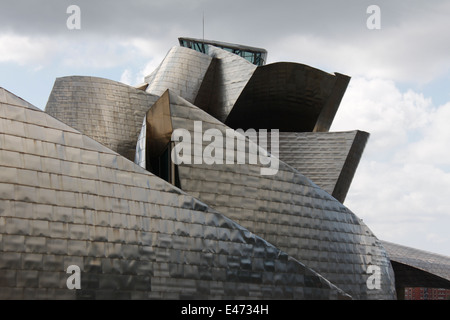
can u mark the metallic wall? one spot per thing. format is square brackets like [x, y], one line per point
[329, 159]
[224, 83]
[287, 210]
[66, 199]
[182, 71]
[418, 268]
[212, 81]
[231, 233]
[107, 111]
[291, 97]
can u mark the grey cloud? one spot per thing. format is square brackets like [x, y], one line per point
[224, 19]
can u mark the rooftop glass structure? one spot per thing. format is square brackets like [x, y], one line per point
[257, 56]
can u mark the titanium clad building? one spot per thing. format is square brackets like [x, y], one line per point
[99, 181]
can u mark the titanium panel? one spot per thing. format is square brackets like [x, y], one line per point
[291, 97]
[224, 83]
[418, 268]
[133, 235]
[107, 111]
[332, 103]
[159, 125]
[288, 210]
[329, 159]
[181, 71]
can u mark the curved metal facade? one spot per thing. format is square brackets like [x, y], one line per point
[289, 96]
[418, 268]
[329, 159]
[286, 209]
[110, 112]
[70, 196]
[224, 83]
[65, 199]
[182, 71]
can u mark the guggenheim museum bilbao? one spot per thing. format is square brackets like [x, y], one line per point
[216, 178]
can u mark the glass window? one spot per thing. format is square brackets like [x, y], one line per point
[255, 57]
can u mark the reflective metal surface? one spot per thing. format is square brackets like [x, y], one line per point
[182, 71]
[288, 210]
[291, 97]
[212, 81]
[418, 268]
[107, 111]
[66, 199]
[329, 159]
[70, 196]
[224, 83]
[159, 126]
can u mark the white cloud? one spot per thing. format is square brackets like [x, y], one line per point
[84, 52]
[77, 52]
[436, 238]
[95, 53]
[126, 77]
[147, 48]
[432, 146]
[133, 78]
[147, 70]
[150, 49]
[402, 185]
[25, 50]
[377, 106]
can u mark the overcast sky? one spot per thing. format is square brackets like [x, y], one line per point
[399, 91]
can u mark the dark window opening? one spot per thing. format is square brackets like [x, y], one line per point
[164, 168]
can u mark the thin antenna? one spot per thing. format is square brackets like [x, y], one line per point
[203, 26]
